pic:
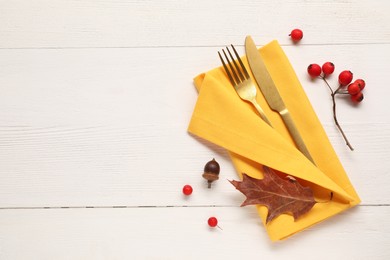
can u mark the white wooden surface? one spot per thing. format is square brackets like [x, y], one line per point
[95, 99]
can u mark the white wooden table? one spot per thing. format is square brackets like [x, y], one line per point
[95, 99]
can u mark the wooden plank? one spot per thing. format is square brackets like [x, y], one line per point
[61, 23]
[178, 233]
[98, 127]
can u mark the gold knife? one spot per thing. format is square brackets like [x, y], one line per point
[271, 93]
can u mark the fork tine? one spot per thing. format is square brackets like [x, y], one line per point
[240, 61]
[227, 70]
[242, 78]
[236, 78]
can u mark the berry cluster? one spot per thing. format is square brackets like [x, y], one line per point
[353, 89]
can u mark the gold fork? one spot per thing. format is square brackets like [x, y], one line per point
[241, 81]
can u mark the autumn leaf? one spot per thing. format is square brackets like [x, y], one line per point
[278, 195]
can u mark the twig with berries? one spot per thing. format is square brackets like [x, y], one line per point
[345, 88]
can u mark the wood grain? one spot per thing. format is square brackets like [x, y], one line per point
[95, 99]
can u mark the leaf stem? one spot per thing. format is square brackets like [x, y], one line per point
[328, 200]
[333, 94]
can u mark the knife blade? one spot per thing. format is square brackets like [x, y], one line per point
[271, 93]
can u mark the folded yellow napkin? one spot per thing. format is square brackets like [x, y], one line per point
[222, 118]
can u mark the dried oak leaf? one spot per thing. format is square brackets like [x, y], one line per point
[278, 195]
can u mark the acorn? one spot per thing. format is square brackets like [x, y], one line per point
[211, 172]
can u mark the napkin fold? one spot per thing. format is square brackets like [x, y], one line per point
[222, 118]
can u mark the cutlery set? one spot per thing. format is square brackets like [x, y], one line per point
[247, 90]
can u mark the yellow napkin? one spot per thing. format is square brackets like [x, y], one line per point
[222, 118]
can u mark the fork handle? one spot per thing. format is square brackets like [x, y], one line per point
[288, 121]
[261, 112]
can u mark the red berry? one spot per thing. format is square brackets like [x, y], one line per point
[357, 98]
[345, 77]
[353, 89]
[328, 68]
[187, 190]
[212, 221]
[296, 35]
[361, 83]
[314, 70]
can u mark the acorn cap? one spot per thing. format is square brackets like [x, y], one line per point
[210, 176]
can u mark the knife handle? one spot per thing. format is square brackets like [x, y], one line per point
[288, 121]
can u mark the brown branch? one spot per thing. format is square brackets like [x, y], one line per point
[333, 94]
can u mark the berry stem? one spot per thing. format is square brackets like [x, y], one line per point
[333, 94]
